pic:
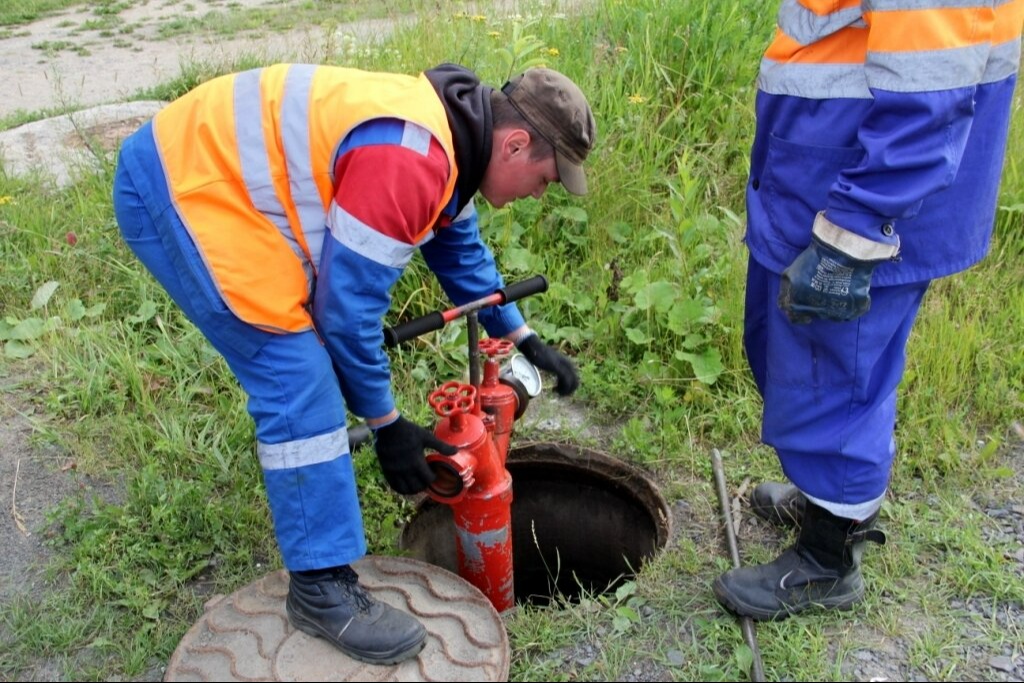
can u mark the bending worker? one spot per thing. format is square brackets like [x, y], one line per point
[278, 207]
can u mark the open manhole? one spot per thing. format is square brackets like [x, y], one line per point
[582, 522]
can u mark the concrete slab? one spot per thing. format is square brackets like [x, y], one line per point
[57, 148]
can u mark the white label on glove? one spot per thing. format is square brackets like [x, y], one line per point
[832, 278]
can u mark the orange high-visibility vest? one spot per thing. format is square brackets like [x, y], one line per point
[249, 160]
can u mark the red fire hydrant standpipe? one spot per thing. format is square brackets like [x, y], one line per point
[478, 488]
[478, 419]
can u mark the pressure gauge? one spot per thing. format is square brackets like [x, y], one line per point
[523, 370]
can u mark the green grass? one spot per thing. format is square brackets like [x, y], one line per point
[646, 292]
[16, 12]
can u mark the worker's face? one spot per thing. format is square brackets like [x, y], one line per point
[512, 173]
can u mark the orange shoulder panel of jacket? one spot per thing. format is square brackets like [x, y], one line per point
[929, 29]
[191, 163]
[825, 7]
[376, 95]
[845, 46]
[1009, 21]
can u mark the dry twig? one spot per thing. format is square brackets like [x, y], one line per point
[18, 520]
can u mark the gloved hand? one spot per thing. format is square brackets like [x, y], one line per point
[831, 278]
[399, 446]
[551, 359]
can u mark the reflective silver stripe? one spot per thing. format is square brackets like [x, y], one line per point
[931, 70]
[813, 81]
[467, 212]
[1003, 61]
[366, 241]
[893, 71]
[891, 5]
[850, 243]
[850, 511]
[299, 156]
[417, 138]
[252, 152]
[806, 27]
[303, 452]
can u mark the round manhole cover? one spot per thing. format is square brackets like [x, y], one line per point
[246, 636]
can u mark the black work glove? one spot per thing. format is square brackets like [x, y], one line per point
[400, 446]
[831, 278]
[551, 359]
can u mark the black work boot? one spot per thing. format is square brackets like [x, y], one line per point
[780, 504]
[331, 604]
[821, 569]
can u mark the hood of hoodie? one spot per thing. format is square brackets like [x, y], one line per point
[467, 102]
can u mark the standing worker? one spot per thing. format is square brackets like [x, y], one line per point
[875, 168]
[278, 207]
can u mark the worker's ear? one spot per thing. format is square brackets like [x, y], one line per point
[514, 142]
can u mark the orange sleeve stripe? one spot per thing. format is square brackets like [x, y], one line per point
[1009, 19]
[846, 46]
[825, 7]
[932, 29]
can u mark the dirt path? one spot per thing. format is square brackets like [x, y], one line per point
[55, 64]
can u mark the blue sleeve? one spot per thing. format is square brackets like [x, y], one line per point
[466, 269]
[387, 190]
[913, 143]
[352, 298]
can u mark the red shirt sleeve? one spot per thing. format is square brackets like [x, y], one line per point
[393, 189]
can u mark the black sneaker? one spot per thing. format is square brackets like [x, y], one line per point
[331, 604]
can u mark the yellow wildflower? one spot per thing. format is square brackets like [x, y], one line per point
[637, 99]
[494, 34]
[621, 49]
[553, 51]
[7, 199]
[478, 17]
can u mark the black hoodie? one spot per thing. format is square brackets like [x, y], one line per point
[467, 102]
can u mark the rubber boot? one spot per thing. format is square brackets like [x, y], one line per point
[822, 569]
[780, 504]
[331, 604]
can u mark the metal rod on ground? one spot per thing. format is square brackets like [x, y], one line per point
[746, 623]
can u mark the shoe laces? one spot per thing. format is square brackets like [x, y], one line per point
[349, 580]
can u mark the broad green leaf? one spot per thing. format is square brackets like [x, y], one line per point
[684, 314]
[574, 213]
[628, 613]
[707, 366]
[637, 336]
[693, 341]
[620, 232]
[96, 310]
[43, 294]
[658, 295]
[625, 590]
[744, 657]
[518, 260]
[18, 349]
[621, 624]
[147, 309]
[76, 310]
[30, 328]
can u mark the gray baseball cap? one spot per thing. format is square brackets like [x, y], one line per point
[558, 109]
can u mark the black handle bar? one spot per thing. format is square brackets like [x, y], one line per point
[393, 336]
